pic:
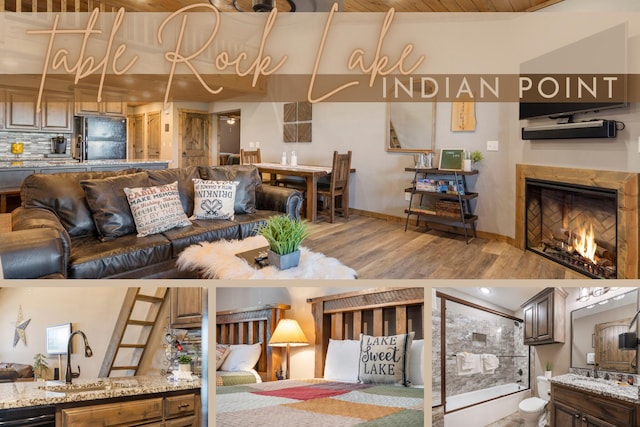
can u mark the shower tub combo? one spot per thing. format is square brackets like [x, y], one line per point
[480, 398]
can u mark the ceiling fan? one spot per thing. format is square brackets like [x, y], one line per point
[230, 119]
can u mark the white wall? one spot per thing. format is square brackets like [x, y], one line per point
[91, 309]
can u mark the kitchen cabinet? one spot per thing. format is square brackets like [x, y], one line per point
[576, 408]
[21, 111]
[441, 197]
[544, 317]
[187, 308]
[111, 104]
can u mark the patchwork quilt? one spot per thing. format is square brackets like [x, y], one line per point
[311, 403]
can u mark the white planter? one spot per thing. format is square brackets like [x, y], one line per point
[184, 367]
[547, 374]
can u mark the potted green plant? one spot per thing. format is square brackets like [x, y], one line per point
[284, 236]
[547, 369]
[476, 156]
[184, 362]
[40, 366]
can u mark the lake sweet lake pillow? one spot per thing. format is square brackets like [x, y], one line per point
[385, 359]
[214, 199]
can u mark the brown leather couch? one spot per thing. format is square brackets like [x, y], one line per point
[59, 202]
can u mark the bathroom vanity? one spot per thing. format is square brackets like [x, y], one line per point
[579, 401]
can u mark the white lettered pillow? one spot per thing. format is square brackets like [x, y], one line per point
[385, 359]
[156, 209]
[214, 199]
[242, 357]
[342, 361]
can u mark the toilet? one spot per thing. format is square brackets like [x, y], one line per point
[533, 409]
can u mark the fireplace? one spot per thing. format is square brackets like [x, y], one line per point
[574, 225]
[586, 220]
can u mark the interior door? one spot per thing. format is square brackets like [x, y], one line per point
[136, 130]
[153, 135]
[194, 138]
[608, 356]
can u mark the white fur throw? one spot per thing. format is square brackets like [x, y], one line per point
[218, 260]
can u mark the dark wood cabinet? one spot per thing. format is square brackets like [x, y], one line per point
[187, 307]
[544, 317]
[575, 408]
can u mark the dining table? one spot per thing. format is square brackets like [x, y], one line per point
[311, 174]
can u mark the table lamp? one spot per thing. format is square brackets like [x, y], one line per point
[288, 334]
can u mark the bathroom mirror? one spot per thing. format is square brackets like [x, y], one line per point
[411, 126]
[594, 334]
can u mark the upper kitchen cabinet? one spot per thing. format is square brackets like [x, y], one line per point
[187, 308]
[21, 113]
[110, 105]
[544, 317]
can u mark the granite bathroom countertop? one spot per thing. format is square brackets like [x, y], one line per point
[610, 388]
[25, 394]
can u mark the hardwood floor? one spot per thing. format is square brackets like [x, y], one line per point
[379, 249]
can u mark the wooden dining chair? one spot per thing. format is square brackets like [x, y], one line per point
[250, 157]
[335, 195]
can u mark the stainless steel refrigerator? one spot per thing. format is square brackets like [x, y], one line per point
[98, 138]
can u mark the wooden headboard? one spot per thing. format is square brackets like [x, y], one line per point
[249, 326]
[381, 311]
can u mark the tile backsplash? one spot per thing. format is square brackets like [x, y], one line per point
[36, 144]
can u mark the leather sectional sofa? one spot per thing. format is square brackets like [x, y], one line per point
[78, 248]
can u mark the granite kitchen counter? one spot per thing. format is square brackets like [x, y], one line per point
[609, 388]
[47, 162]
[26, 394]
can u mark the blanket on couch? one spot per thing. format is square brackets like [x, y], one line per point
[318, 403]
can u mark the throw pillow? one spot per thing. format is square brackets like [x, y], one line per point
[342, 361]
[184, 176]
[222, 351]
[156, 209]
[248, 179]
[242, 357]
[108, 203]
[385, 359]
[416, 363]
[214, 199]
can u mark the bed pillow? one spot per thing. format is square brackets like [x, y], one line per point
[248, 179]
[416, 363]
[108, 203]
[342, 361]
[156, 209]
[214, 199]
[242, 357]
[384, 359]
[222, 351]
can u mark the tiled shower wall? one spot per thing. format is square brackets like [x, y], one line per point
[36, 144]
[503, 338]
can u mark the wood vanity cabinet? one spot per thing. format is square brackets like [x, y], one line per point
[186, 308]
[544, 317]
[576, 408]
[171, 411]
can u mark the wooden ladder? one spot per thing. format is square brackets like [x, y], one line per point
[131, 334]
[393, 137]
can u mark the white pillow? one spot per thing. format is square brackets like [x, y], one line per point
[242, 357]
[342, 361]
[214, 199]
[156, 209]
[416, 363]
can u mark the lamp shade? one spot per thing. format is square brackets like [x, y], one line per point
[288, 332]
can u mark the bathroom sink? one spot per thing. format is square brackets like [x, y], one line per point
[82, 388]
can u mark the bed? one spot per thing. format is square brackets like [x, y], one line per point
[246, 328]
[382, 316]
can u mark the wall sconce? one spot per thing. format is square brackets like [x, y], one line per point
[287, 334]
[629, 340]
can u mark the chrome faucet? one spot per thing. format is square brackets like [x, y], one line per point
[87, 353]
[595, 371]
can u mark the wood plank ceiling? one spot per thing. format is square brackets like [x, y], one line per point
[226, 5]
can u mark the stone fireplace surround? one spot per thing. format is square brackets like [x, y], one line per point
[626, 184]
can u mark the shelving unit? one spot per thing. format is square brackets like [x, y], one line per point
[450, 206]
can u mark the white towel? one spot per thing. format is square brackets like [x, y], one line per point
[468, 363]
[490, 363]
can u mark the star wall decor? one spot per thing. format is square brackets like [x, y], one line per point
[21, 325]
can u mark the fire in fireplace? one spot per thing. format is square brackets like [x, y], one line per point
[573, 225]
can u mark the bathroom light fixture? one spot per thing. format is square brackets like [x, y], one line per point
[485, 291]
[584, 294]
[618, 297]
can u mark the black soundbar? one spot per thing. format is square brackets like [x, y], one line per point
[590, 129]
